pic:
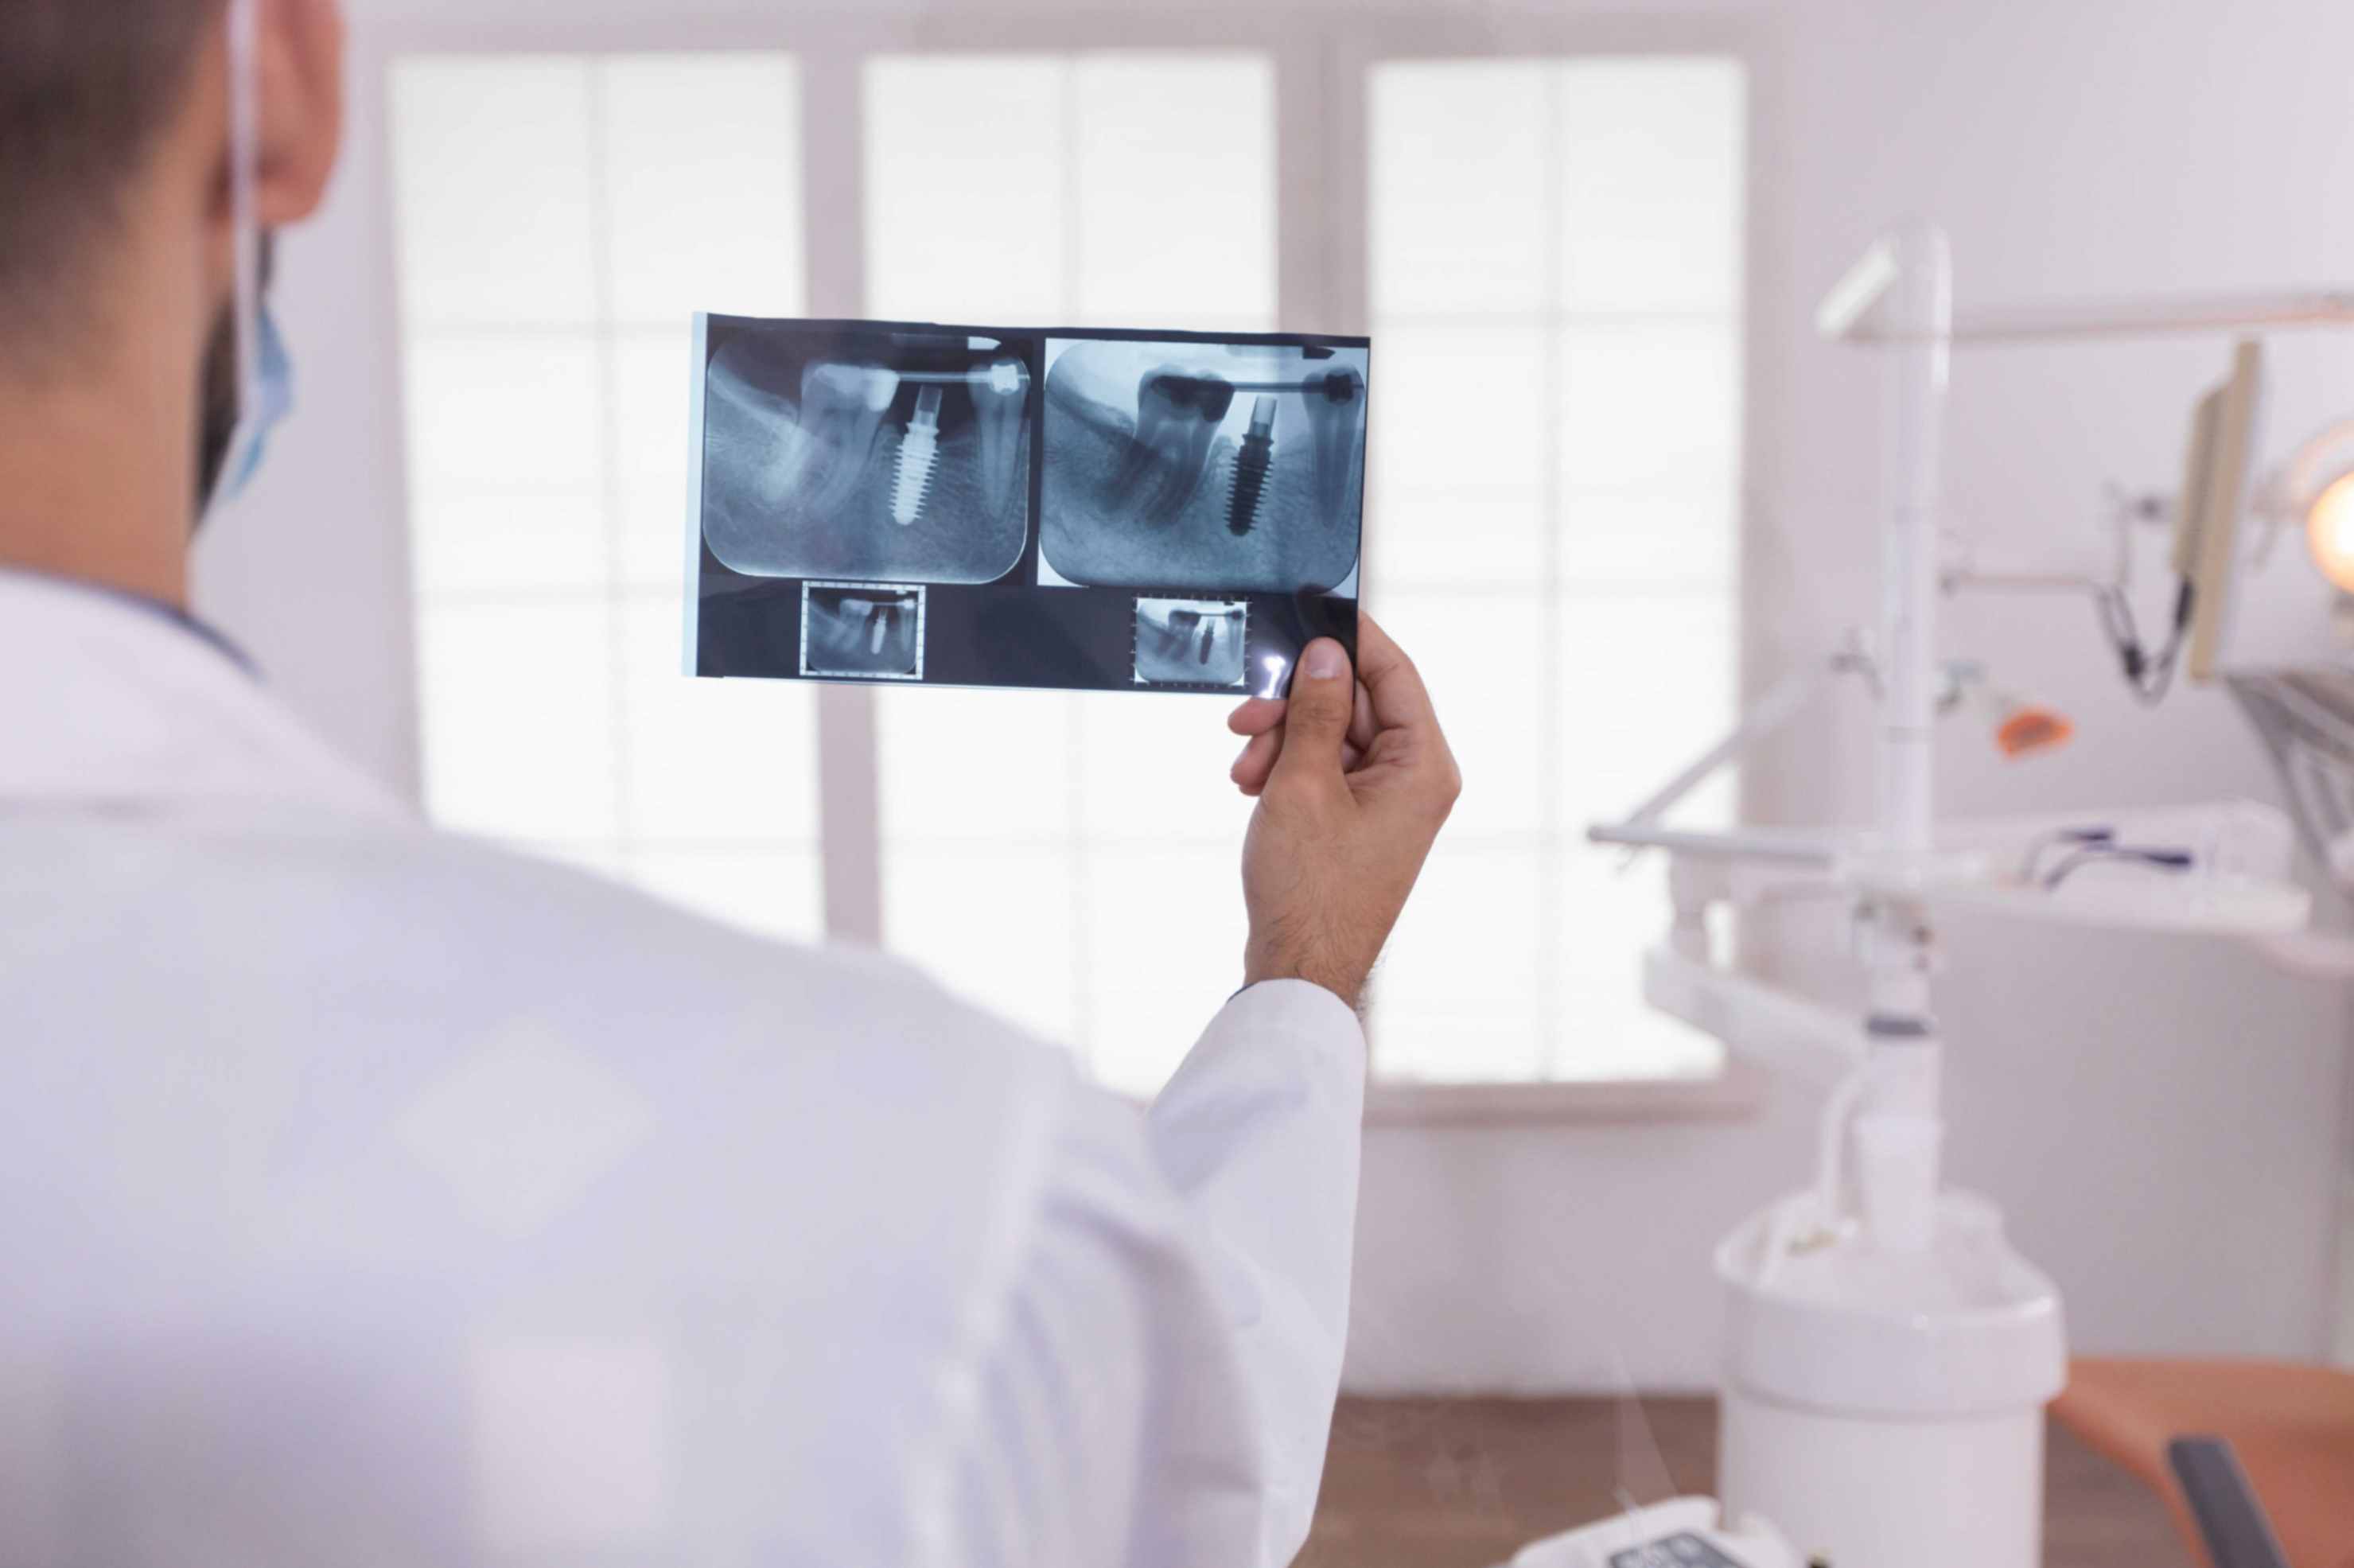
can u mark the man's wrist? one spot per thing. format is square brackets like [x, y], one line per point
[1342, 981]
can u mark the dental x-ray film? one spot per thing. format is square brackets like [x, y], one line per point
[983, 506]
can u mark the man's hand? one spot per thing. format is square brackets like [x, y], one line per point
[1353, 779]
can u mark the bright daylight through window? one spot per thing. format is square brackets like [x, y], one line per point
[1554, 469]
[1556, 465]
[559, 219]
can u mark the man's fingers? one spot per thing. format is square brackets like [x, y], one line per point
[1260, 714]
[1401, 707]
[1400, 701]
[1261, 721]
[1256, 762]
[1316, 718]
[1255, 785]
[1255, 716]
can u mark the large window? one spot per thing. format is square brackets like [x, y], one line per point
[1556, 285]
[1069, 858]
[1551, 258]
[559, 218]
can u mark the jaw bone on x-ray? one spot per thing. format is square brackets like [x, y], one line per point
[922, 431]
[990, 506]
[1209, 466]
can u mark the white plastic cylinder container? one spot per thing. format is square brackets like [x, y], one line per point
[1884, 1408]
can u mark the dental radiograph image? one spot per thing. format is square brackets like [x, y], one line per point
[870, 629]
[867, 453]
[1079, 508]
[1192, 641]
[1231, 467]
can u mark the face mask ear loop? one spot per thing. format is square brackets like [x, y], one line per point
[245, 238]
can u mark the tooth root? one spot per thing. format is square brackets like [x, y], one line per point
[920, 454]
[1177, 417]
[1336, 412]
[842, 411]
[801, 460]
[1186, 471]
[1156, 410]
[999, 397]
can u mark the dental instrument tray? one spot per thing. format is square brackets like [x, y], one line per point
[1086, 509]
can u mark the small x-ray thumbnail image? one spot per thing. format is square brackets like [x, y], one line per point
[861, 451]
[863, 631]
[1225, 468]
[1192, 641]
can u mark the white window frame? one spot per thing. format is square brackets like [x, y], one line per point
[1322, 58]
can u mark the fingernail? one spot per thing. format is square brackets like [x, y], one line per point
[1324, 660]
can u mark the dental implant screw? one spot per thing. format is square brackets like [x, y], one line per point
[1250, 468]
[920, 453]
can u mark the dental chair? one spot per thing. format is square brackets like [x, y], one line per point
[2255, 1460]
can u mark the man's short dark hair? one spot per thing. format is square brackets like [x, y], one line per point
[85, 87]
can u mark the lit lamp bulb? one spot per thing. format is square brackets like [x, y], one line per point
[2330, 532]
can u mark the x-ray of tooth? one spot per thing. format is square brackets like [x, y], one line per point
[1178, 413]
[974, 505]
[1334, 402]
[1225, 467]
[842, 450]
[1001, 403]
[841, 409]
[874, 630]
[1195, 642]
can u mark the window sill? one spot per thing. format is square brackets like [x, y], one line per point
[1734, 1095]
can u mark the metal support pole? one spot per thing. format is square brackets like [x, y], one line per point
[1898, 1129]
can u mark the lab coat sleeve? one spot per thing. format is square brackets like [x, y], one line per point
[1259, 1133]
[1161, 1393]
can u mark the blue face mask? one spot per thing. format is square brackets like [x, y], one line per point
[249, 383]
[274, 389]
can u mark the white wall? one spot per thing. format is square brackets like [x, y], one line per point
[2164, 1121]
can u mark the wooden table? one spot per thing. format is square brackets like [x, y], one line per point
[1465, 1483]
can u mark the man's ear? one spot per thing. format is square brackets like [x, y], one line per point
[301, 58]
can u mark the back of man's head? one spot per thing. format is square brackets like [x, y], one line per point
[85, 89]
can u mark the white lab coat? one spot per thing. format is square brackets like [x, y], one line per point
[370, 1196]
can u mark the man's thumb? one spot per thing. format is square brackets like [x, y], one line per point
[1316, 719]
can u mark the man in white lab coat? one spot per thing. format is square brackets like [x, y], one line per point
[371, 1197]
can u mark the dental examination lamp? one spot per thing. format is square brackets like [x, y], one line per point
[1889, 1354]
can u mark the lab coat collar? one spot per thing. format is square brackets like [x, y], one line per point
[104, 700]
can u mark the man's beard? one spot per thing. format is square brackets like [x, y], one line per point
[215, 408]
[216, 393]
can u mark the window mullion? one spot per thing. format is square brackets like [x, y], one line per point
[850, 805]
[1323, 250]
